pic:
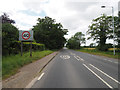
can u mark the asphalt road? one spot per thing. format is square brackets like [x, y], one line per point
[72, 69]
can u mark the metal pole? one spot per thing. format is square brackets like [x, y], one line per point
[21, 48]
[113, 30]
[31, 49]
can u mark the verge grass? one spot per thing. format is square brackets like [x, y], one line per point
[100, 53]
[11, 64]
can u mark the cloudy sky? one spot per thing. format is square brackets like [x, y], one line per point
[75, 15]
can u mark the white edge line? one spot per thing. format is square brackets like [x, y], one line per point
[31, 83]
[116, 62]
[98, 76]
[41, 76]
[105, 74]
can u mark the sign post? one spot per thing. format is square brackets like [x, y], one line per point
[21, 48]
[26, 36]
[31, 48]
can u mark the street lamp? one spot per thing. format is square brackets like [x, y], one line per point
[113, 27]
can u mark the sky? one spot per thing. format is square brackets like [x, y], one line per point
[74, 15]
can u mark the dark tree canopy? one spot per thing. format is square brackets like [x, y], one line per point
[50, 33]
[6, 19]
[101, 30]
[75, 41]
[9, 35]
[9, 38]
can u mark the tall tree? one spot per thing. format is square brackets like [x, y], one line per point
[9, 35]
[50, 33]
[75, 41]
[118, 30]
[79, 37]
[6, 19]
[100, 30]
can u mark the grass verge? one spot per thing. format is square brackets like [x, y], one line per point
[100, 53]
[11, 64]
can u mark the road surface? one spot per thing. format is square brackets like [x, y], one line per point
[72, 69]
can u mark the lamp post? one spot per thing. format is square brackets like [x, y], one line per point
[113, 27]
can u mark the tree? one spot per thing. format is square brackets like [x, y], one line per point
[9, 38]
[75, 41]
[118, 30]
[50, 33]
[6, 19]
[79, 37]
[73, 44]
[92, 45]
[9, 35]
[100, 30]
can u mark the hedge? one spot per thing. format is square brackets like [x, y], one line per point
[15, 48]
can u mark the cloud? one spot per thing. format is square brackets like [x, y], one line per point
[75, 15]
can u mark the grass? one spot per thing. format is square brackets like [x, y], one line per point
[11, 64]
[100, 53]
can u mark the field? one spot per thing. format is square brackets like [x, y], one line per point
[110, 49]
[11, 64]
[100, 53]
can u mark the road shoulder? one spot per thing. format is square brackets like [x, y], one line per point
[27, 73]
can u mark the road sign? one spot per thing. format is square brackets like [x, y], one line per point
[26, 35]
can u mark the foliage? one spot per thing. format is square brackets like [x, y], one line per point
[10, 34]
[9, 38]
[35, 46]
[50, 33]
[76, 41]
[73, 44]
[92, 45]
[11, 64]
[118, 30]
[6, 19]
[100, 30]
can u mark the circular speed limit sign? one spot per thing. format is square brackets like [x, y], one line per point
[25, 35]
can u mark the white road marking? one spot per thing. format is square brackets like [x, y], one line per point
[65, 56]
[105, 74]
[41, 76]
[98, 77]
[82, 59]
[76, 58]
[105, 59]
[116, 62]
[109, 60]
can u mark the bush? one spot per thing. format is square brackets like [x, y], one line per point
[35, 46]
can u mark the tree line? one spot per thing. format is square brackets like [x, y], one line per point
[50, 34]
[47, 35]
[100, 30]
